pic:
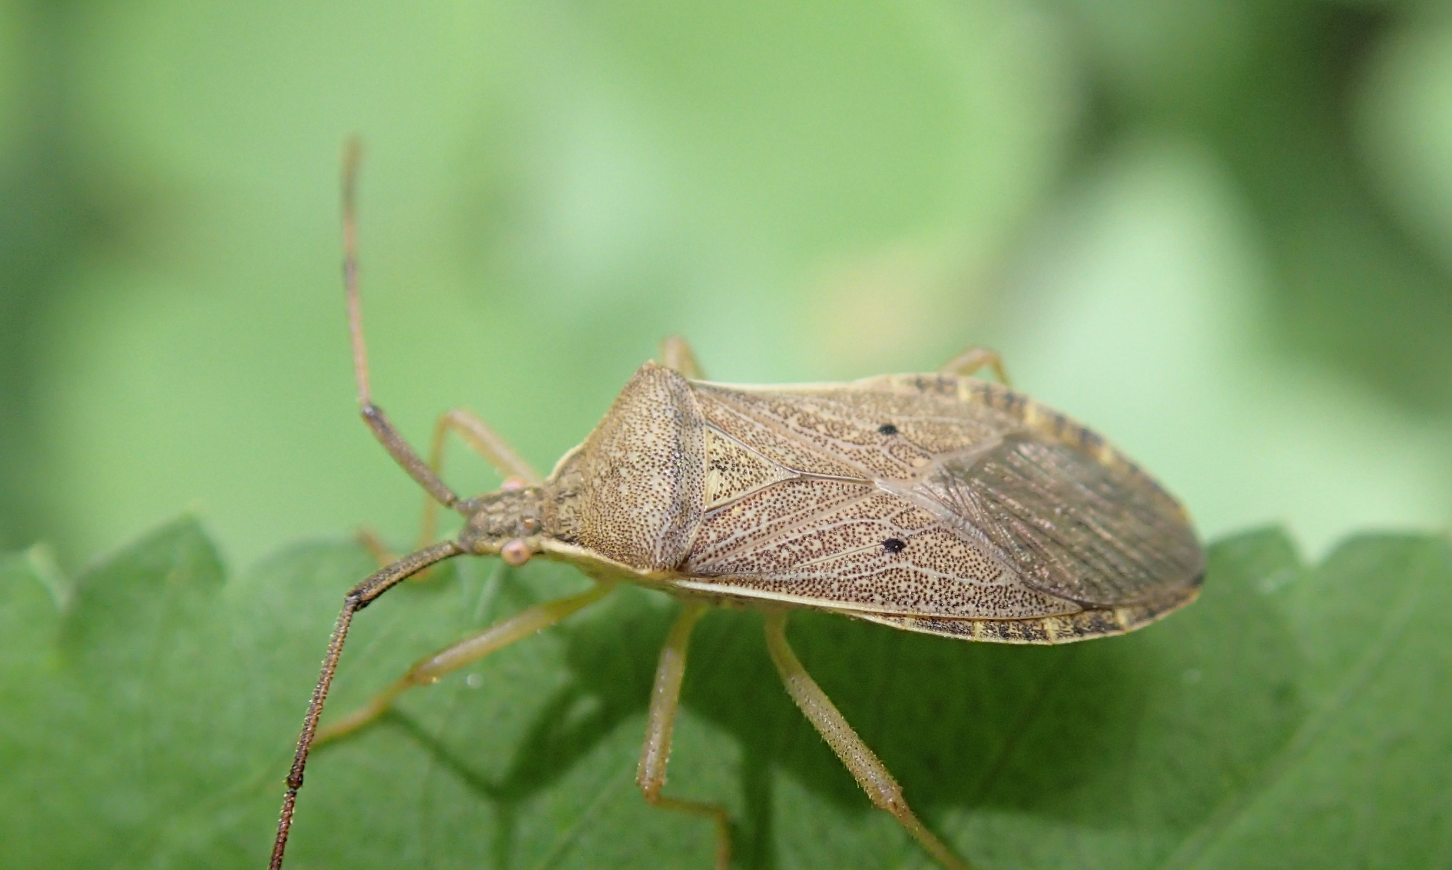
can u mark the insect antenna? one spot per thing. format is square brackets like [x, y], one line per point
[373, 415]
[360, 597]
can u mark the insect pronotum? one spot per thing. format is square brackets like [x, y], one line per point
[935, 503]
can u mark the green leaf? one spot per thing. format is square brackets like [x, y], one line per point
[1294, 716]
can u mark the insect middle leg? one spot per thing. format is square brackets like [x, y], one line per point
[863, 764]
[451, 658]
[972, 359]
[655, 754]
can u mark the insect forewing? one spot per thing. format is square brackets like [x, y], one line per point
[923, 501]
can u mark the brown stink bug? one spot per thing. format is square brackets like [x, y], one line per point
[934, 503]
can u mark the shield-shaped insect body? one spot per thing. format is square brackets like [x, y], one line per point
[936, 503]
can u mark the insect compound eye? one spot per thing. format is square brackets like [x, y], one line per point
[515, 552]
[887, 429]
[894, 545]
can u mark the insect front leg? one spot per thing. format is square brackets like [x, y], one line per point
[664, 700]
[451, 658]
[864, 765]
[971, 360]
[515, 469]
[676, 353]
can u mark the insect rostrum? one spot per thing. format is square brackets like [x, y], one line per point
[935, 503]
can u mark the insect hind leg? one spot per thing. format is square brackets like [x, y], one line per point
[861, 762]
[972, 359]
[676, 354]
[660, 723]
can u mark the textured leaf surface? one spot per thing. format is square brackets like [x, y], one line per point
[1294, 716]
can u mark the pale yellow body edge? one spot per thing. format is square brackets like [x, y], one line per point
[1037, 631]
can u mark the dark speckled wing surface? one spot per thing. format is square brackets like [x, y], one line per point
[1072, 526]
[926, 501]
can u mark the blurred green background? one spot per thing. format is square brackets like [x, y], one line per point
[1219, 233]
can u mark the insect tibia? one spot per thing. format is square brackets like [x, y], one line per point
[505, 515]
